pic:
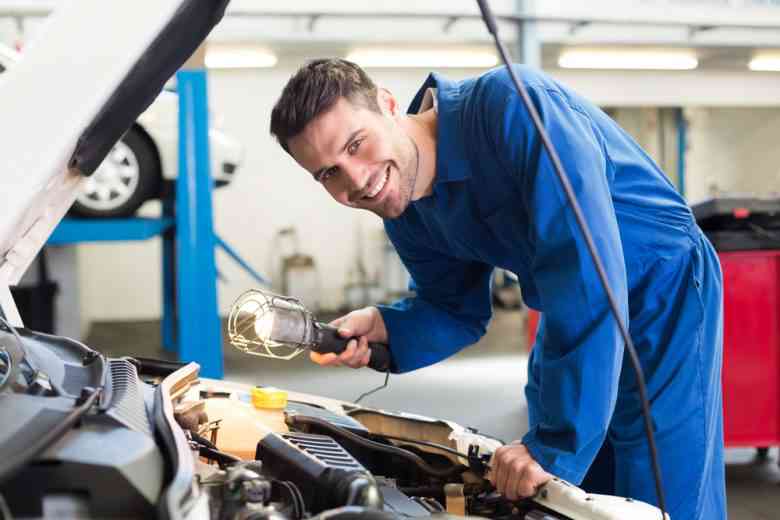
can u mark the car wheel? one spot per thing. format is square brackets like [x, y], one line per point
[127, 177]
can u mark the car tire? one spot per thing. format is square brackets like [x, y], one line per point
[128, 177]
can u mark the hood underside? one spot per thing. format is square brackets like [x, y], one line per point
[93, 70]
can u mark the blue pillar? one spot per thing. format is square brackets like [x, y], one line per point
[199, 335]
[529, 48]
[682, 145]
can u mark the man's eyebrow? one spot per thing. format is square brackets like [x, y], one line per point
[351, 137]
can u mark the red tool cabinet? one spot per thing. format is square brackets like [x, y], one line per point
[751, 347]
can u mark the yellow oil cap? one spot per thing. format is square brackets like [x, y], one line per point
[268, 397]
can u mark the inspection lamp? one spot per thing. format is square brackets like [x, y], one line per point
[270, 325]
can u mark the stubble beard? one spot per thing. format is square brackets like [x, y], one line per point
[406, 183]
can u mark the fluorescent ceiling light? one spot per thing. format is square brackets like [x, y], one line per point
[401, 58]
[765, 62]
[627, 59]
[235, 57]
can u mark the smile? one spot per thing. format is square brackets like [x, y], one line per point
[379, 185]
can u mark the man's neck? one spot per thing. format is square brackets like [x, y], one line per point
[421, 129]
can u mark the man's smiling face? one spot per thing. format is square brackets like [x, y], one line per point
[363, 158]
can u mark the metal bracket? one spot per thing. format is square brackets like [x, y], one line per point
[449, 23]
[576, 26]
[696, 29]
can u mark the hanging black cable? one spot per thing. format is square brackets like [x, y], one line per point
[492, 27]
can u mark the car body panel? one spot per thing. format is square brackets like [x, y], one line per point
[161, 122]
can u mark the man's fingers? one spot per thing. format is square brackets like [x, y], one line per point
[514, 481]
[534, 476]
[329, 360]
[346, 356]
[366, 358]
[356, 355]
[526, 485]
[502, 469]
[343, 326]
[514, 472]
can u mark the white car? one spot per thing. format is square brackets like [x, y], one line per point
[143, 164]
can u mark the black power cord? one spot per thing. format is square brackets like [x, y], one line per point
[492, 27]
[374, 390]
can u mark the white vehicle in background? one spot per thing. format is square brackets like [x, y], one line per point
[143, 164]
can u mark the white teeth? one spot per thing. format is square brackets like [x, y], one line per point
[378, 187]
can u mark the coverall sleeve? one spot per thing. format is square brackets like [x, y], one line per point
[573, 378]
[451, 308]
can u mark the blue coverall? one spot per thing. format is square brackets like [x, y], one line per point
[496, 202]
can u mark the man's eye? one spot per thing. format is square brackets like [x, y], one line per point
[353, 146]
[327, 174]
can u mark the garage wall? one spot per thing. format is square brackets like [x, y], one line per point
[732, 150]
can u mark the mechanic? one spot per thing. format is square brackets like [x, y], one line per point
[463, 186]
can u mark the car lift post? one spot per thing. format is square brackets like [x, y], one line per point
[199, 335]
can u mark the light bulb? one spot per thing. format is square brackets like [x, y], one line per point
[264, 326]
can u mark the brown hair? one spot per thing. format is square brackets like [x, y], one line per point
[314, 89]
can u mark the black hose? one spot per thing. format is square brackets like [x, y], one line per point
[222, 458]
[209, 450]
[441, 447]
[202, 440]
[490, 22]
[378, 446]
[296, 497]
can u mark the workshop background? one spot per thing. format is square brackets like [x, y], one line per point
[706, 108]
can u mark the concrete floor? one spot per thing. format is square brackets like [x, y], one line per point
[481, 387]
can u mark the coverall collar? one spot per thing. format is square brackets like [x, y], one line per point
[451, 160]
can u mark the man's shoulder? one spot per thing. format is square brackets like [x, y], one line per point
[499, 78]
[486, 95]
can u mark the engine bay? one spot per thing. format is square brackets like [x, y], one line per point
[86, 436]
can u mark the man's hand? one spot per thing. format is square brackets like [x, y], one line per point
[365, 325]
[514, 473]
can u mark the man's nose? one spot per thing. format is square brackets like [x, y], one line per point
[357, 177]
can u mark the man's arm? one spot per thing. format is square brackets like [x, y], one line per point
[451, 309]
[574, 381]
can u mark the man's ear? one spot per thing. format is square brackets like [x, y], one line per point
[387, 102]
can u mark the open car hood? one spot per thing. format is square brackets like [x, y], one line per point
[93, 70]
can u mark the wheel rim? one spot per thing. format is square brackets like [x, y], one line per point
[114, 182]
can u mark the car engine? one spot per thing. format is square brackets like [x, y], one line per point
[86, 436]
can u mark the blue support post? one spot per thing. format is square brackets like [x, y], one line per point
[199, 334]
[682, 145]
[169, 317]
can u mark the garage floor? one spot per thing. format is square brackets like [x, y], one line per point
[480, 387]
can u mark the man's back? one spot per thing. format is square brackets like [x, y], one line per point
[497, 202]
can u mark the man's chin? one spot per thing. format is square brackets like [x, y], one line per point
[390, 212]
[390, 208]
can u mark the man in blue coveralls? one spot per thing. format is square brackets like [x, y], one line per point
[463, 185]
